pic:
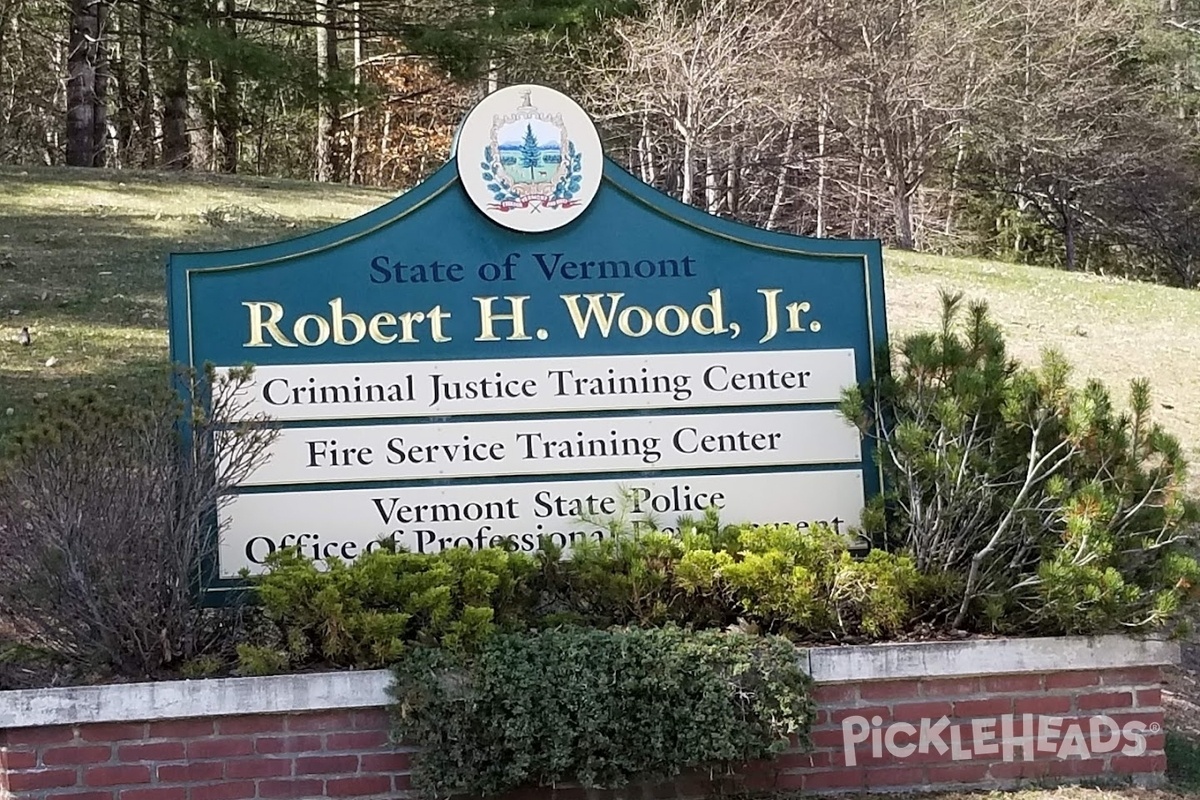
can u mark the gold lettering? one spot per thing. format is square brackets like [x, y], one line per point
[376, 327]
[643, 314]
[516, 304]
[436, 315]
[681, 320]
[794, 311]
[270, 324]
[339, 324]
[604, 318]
[407, 320]
[300, 330]
[769, 296]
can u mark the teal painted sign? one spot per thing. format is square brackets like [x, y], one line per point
[448, 377]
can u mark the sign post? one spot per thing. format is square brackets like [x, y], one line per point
[528, 338]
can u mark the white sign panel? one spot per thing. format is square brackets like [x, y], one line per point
[531, 386]
[557, 447]
[348, 522]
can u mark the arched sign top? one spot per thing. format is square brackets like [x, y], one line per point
[446, 373]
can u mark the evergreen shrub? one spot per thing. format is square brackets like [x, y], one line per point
[595, 708]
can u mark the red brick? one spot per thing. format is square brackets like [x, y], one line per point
[193, 772]
[72, 756]
[821, 717]
[1071, 680]
[949, 687]
[181, 728]
[1132, 676]
[1073, 768]
[358, 786]
[815, 760]
[958, 773]
[155, 793]
[324, 765]
[895, 776]
[229, 790]
[151, 751]
[1012, 683]
[835, 693]
[42, 779]
[889, 690]
[256, 723]
[992, 707]
[36, 736]
[836, 717]
[401, 783]
[358, 740]
[326, 721]
[909, 712]
[1009, 770]
[299, 788]
[1042, 704]
[1133, 765]
[112, 731]
[258, 768]
[1091, 702]
[19, 759]
[116, 776]
[826, 739]
[221, 747]
[836, 779]
[288, 744]
[1149, 697]
[99, 794]
[372, 719]
[385, 762]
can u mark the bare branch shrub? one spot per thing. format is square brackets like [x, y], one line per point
[105, 523]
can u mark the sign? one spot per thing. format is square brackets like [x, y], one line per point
[454, 369]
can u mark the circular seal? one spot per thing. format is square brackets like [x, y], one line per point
[529, 158]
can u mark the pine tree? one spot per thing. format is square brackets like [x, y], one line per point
[531, 153]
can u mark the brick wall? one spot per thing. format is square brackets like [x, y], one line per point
[343, 750]
[322, 754]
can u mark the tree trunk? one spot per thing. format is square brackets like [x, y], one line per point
[81, 84]
[356, 133]
[228, 110]
[176, 148]
[145, 91]
[100, 89]
[902, 208]
[1069, 234]
[327, 110]
[781, 178]
[125, 100]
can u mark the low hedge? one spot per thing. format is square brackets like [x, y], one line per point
[595, 708]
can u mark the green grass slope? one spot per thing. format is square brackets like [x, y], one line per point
[82, 254]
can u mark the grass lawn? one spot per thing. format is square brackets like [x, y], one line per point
[82, 265]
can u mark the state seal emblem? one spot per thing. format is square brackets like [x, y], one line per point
[529, 158]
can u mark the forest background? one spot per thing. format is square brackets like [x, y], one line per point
[1062, 133]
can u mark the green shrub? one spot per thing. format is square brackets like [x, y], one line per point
[1034, 507]
[364, 613]
[598, 708]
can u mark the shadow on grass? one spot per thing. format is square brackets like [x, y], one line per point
[110, 269]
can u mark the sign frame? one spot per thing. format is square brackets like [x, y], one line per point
[184, 269]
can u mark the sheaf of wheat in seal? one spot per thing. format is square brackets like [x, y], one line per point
[529, 158]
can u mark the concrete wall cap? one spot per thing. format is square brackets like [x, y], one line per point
[294, 694]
